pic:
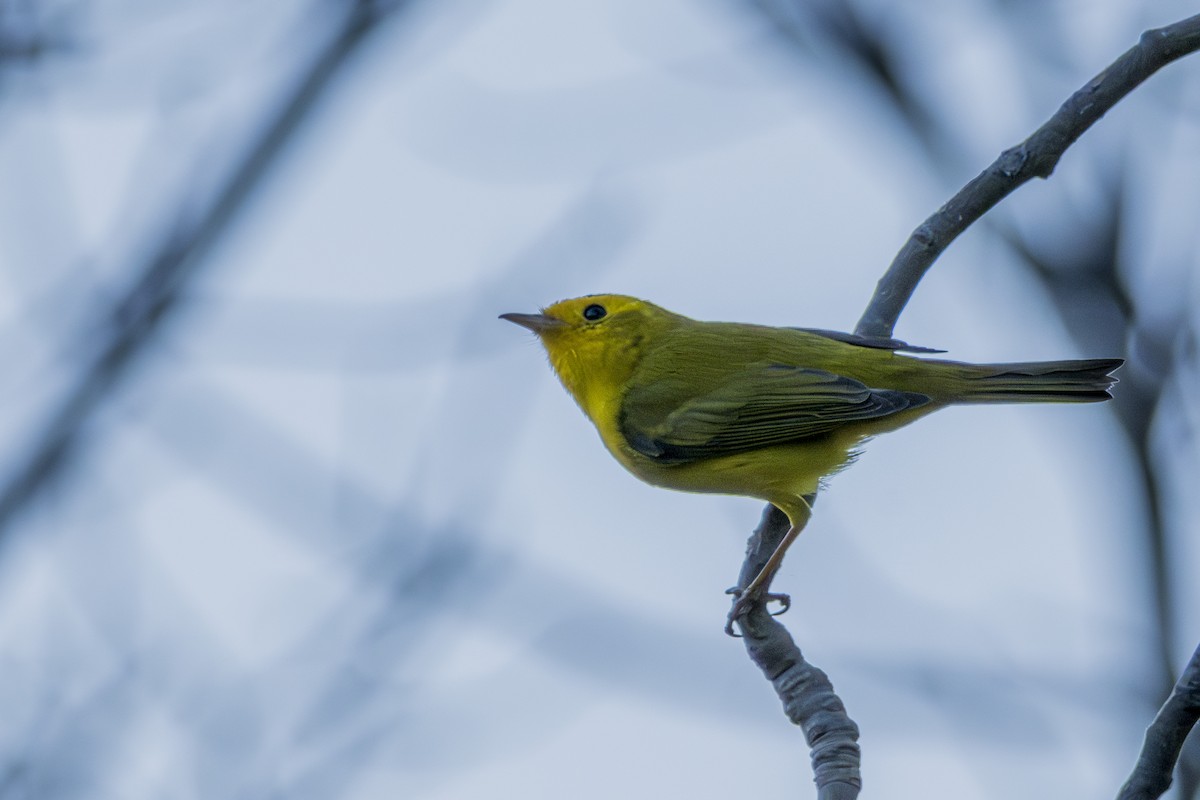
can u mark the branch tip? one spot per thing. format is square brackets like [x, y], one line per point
[1036, 157]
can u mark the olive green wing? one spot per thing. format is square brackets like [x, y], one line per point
[759, 406]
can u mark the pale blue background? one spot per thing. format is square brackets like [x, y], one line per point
[339, 533]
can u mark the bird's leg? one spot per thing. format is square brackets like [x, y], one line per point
[754, 593]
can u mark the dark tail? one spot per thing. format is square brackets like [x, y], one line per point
[1085, 381]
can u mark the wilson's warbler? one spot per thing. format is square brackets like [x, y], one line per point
[763, 412]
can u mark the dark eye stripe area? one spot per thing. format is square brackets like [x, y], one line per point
[594, 312]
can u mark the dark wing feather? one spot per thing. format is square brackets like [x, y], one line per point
[762, 406]
[870, 341]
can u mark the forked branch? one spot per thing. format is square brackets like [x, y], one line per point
[807, 695]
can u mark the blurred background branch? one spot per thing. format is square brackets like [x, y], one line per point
[30, 31]
[160, 283]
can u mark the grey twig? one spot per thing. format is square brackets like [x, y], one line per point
[807, 695]
[1036, 157]
[1164, 738]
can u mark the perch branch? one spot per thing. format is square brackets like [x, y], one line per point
[807, 695]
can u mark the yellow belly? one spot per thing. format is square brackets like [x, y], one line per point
[780, 475]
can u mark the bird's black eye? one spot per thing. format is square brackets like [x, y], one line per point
[594, 312]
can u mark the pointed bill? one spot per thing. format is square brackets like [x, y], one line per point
[538, 323]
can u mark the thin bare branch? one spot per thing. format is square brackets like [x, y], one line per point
[1036, 157]
[1164, 738]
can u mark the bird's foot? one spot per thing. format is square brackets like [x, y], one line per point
[746, 601]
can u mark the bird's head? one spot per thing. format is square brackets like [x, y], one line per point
[594, 342]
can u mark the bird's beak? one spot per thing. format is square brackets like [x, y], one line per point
[538, 323]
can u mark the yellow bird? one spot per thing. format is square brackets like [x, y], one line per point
[764, 412]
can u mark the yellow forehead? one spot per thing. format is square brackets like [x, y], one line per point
[572, 309]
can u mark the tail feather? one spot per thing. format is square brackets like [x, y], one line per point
[1083, 381]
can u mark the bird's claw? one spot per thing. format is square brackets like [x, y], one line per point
[746, 601]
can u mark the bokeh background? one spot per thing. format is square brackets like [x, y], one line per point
[285, 511]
